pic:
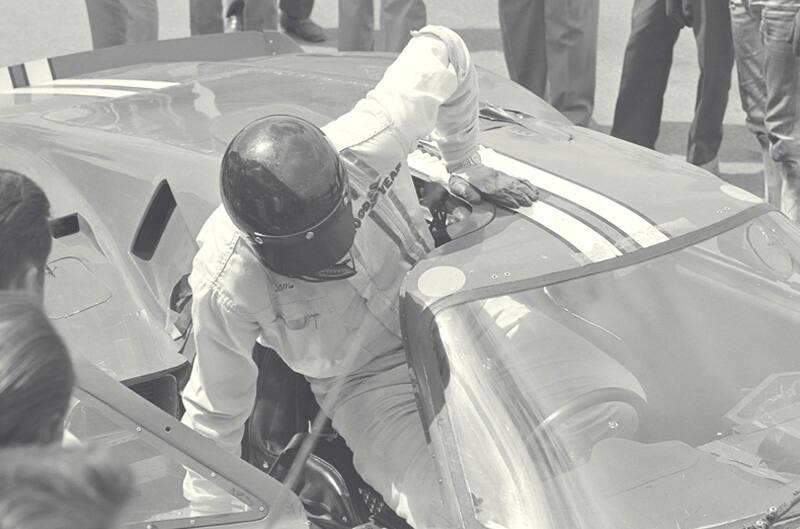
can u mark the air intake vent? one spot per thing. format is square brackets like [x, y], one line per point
[154, 222]
[66, 225]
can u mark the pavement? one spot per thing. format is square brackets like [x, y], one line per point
[44, 28]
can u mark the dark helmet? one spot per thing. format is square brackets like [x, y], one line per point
[283, 185]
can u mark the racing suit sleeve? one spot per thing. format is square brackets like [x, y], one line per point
[220, 393]
[431, 88]
[221, 390]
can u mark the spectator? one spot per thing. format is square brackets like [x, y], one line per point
[36, 374]
[24, 233]
[207, 16]
[766, 46]
[648, 59]
[61, 488]
[551, 49]
[117, 22]
[398, 19]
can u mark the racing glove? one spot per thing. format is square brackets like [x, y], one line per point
[680, 12]
[472, 181]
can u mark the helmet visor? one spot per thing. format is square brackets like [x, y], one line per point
[315, 250]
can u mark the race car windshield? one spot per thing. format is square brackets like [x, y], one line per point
[662, 394]
[160, 498]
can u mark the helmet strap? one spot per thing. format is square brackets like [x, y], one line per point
[344, 269]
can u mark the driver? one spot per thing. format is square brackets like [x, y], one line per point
[307, 254]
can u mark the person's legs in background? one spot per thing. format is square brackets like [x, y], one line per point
[296, 19]
[645, 71]
[260, 15]
[118, 22]
[522, 25]
[398, 19]
[749, 55]
[782, 69]
[712, 32]
[356, 22]
[205, 16]
[572, 56]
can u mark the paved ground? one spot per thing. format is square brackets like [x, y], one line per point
[40, 28]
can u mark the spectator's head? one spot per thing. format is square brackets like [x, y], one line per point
[24, 232]
[61, 488]
[36, 374]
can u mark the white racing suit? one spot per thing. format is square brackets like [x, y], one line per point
[343, 335]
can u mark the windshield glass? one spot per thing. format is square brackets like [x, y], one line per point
[665, 393]
[159, 471]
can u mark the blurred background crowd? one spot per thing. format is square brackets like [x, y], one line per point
[550, 47]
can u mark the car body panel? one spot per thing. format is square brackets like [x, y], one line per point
[136, 167]
[149, 134]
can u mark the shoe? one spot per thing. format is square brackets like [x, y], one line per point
[234, 17]
[304, 28]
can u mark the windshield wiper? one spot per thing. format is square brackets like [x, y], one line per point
[777, 514]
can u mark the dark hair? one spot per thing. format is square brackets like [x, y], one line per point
[36, 374]
[61, 488]
[24, 230]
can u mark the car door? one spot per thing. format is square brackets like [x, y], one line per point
[159, 450]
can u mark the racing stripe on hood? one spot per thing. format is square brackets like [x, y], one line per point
[641, 230]
[37, 77]
[573, 232]
[68, 91]
[39, 72]
[115, 83]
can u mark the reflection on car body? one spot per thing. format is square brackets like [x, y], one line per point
[621, 353]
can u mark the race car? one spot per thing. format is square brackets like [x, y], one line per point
[688, 286]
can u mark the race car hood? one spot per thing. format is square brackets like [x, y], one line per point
[162, 129]
[603, 202]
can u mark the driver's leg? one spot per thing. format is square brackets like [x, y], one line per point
[375, 411]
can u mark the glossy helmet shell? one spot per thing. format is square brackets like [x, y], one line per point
[284, 187]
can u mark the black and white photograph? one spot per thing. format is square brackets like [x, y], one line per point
[399, 264]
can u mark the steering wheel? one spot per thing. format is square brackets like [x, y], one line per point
[584, 402]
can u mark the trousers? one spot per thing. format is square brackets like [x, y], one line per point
[118, 22]
[206, 16]
[550, 48]
[749, 52]
[645, 71]
[782, 79]
[398, 19]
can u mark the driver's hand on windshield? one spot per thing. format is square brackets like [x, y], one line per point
[474, 181]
